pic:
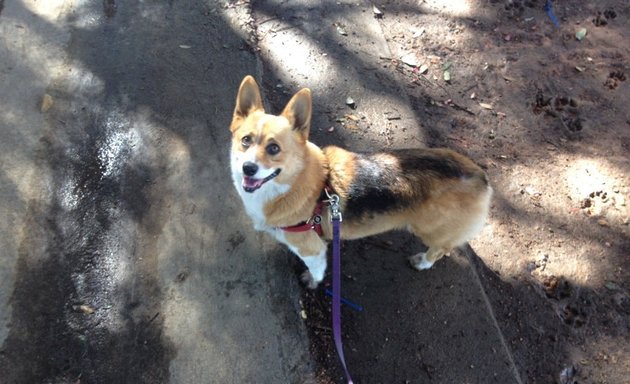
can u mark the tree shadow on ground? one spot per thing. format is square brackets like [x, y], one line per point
[545, 319]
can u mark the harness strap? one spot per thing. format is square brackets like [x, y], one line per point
[314, 223]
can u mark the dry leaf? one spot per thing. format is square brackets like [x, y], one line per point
[86, 309]
[351, 125]
[580, 34]
[410, 59]
[418, 33]
[341, 30]
[612, 286]
[47, 103]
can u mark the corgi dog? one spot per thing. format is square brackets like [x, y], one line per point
[440, 196]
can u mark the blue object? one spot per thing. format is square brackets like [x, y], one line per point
[347, 302]
[552, 16]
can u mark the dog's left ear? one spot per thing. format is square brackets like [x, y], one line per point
[298, 112]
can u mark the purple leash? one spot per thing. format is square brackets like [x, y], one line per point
[336, 281]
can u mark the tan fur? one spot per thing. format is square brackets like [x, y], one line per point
[444, 203]
[298, 204]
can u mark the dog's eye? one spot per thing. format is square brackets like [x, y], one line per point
[246, 141]
[273, 149]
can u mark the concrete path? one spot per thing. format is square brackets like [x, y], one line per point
[126, 256]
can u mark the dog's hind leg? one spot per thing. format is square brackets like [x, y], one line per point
[425, 260]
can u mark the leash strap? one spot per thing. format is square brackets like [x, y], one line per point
[315, 224]
[336, 284]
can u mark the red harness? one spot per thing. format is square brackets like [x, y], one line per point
[315, 222]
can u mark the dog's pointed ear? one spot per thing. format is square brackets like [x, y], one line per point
[298, 111]
[248, 99]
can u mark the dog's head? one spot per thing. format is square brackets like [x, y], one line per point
[268, 147]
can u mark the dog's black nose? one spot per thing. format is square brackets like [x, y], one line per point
[250, 169]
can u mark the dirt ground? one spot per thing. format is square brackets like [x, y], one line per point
[543, 109]
[546, 114]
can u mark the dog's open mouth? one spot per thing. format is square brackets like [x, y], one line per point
[251, 184]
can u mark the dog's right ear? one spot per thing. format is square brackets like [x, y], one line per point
[248, 99]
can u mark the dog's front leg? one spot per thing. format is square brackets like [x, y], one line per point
[311, 249]
[316, 269]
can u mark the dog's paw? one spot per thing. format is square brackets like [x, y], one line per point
[419, 261]
[308, 280]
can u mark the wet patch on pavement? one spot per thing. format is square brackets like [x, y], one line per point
[87, 302]
[92, 299]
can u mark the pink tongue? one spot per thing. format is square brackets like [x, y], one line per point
[250, 182]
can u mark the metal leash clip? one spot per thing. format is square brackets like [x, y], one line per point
[333, 200]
